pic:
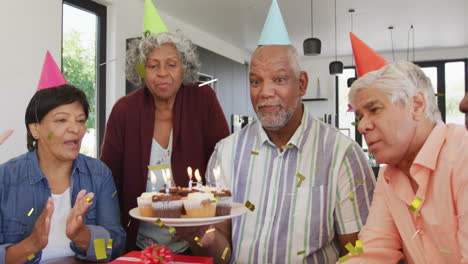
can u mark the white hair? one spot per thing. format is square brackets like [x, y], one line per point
[139, 49]
[293, 58]
[400, 81]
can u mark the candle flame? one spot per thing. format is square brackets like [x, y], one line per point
[153, 177]
[189, 172]
[197, 175]
[216, 172]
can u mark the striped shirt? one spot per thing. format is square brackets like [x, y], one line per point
[319, 186]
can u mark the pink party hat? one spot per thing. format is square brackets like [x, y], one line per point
[51, 76]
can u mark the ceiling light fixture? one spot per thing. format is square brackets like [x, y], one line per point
[335, 67]
[312, 46]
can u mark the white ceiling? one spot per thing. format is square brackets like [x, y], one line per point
[437, 23]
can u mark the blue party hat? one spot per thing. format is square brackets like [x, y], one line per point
[274, 31]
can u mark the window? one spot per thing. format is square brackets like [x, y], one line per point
[83, 63]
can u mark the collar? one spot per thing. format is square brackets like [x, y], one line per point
[35, 173]
[297, 139]
[429, 153]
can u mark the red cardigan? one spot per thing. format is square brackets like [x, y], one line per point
[198, 124]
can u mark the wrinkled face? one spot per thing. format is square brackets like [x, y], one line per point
[387, 128]
[60, 132]
[164, 71]
[276, 86]
[464, 108]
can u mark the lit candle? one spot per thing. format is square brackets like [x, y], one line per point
[167, 180]
[153, 181]
[216, 172]
[190, 175]
[199, 182]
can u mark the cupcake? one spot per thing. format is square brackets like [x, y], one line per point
[224, 205]
[184, 191]
[166, 206]
[198, 204]
[144, 204]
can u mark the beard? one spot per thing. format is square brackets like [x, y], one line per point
[277, 120]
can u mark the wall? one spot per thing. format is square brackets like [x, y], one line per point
[27, 29]
[232, 87]
[318, 67]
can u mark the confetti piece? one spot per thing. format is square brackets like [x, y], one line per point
[350, 108]
[223, 256]
[31, 256]
[343, 258]
[210, 230]
[159, 222]
[49, 136]
[196, 239]
[140, 68]
[415, 204]
[350, 248]
[351, 196]
[114, 194]
[99, 248]
[161, 259]
[208, 82]
[89, 200]
[302, 252]
[357, 181]
[31, 211]
[356, 123]
[439, 94]
[287, 147]
[216, 200]
[109, 243]
[200, 244]
[129, 221]
[301, 179]
[254, 153]
[443, 250]
[415, 233]
[158, 167]
[250, 206]
[172, 230]
[359, 248]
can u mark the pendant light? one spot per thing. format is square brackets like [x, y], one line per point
[312, 46]
[336, 67]
[390, 28]
[352, 79]
[411, 30]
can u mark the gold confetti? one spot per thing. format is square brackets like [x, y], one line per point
[140, 68]
[357, 181]
[196, 239]
[254, 153]
[158, 167]
[250, 206]
[210, 230]
[159, 222]
[31, 256]
[287, 147]
[223, 256]
[443, 250]
[31, 211]
[415, 204]
[216, 200]
[301, 179]
[351, 196]
[350, 248]
[109, 243]
[99, 248]
[359, 248]
[200, 244]
[161, 259]
[172, 230]
[439, 94]
[302, 252]
[115, 192]
[49, 136]
[343, 258]
[89, 200]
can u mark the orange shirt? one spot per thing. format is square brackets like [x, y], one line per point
[438, 233]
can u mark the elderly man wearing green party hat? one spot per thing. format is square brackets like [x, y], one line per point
[169, 123]
[308, 187]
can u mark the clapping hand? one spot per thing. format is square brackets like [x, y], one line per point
[76, 230]
[40, 234]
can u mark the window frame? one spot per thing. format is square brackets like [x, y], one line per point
[101, 49]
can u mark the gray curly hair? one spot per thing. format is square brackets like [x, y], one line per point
[140, 48]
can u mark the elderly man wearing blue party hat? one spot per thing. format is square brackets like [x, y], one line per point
[308, 187]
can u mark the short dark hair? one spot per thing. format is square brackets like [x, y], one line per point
[46, 100]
